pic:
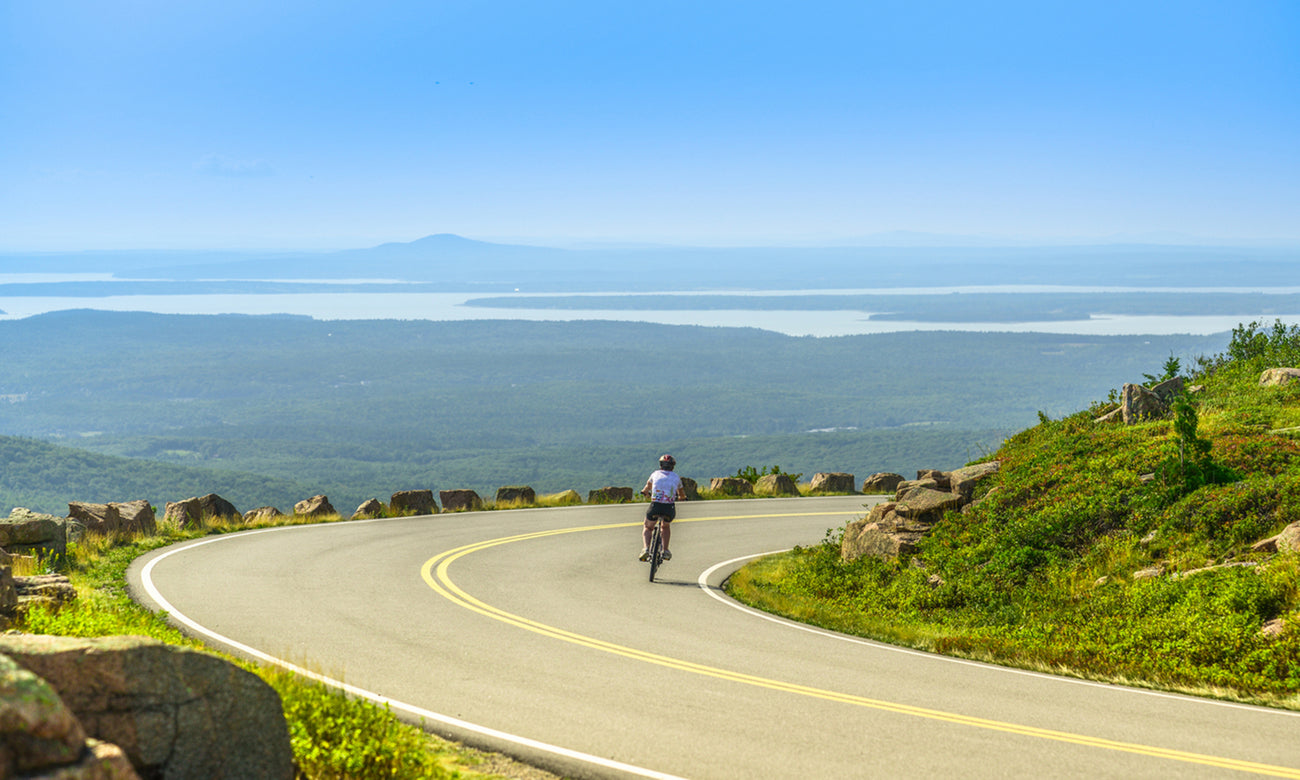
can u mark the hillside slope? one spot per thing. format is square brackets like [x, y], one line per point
[1122, 552]
[360, 409]
[45, 477]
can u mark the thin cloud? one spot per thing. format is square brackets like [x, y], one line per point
[220, 165]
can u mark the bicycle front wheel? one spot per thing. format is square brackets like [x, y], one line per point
[656, 552]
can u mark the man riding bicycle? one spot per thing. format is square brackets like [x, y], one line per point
[664, 488]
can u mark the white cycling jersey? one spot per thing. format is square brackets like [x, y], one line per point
[664, 486]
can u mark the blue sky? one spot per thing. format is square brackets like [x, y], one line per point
[144, 123]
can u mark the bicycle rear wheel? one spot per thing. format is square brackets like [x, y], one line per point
[656, 551]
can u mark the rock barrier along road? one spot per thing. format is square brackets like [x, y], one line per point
[536, 633]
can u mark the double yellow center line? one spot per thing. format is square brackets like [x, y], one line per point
[435, 573]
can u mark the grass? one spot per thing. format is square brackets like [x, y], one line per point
[1041, 573]
[333, 736]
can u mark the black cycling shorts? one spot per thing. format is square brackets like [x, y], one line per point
[666, 511]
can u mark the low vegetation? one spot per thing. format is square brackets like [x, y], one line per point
[1108, 551]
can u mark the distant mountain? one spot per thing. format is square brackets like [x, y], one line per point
[455, 263]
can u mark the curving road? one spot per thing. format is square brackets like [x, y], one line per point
[535, 632]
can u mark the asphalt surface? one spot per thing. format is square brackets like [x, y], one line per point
[536, 633]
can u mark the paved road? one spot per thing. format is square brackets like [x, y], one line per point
[535, 632]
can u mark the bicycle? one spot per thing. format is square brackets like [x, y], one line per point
[656, 548]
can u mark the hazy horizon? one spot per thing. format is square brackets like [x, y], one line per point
[327, 126]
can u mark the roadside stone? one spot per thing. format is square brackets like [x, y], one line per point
[460, 500]
[175, 712]
[8, 590]
[691, 489]
[731, 486]
[316, 506]
[885, 482]
[883, 533]
[38, 732]
[194, 512]
[33, 533]
[516, 494]
[892, 529]
[962, 481]
[413, 502]
[262, 513]
[610, 495]
[832, 482]
[48, 590]
[908, 485]
[776, 485]
[114, 517]
[925, 505]
[369, 508]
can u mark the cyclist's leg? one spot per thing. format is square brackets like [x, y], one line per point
[647, 530]
[669, 513]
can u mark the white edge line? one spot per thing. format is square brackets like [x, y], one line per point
[703, 582]
[172, 612]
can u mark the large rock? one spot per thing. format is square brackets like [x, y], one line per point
[1278, 376]
[8, 591]
[113, 517]
[832, 482]
[610, 495]
[1140, 404]
[413, 502]
[516, 494]
[1286, 541]
[40, 737]
[908, 485]
[963, 480]
[369, 508]
[924, 505]
[316, 506]
[731, 486]
[47, 590]
[175, 712]
[883, 533]
[1168, 389]
[885, 482]
[691, 489]
[460, 500]
[776, 485]
[262, 513]
[195, 512]
[31, 533]
[896, 528]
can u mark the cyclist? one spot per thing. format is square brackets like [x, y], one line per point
[664, 488]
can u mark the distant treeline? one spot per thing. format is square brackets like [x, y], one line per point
[364, 408]
[45, 477]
